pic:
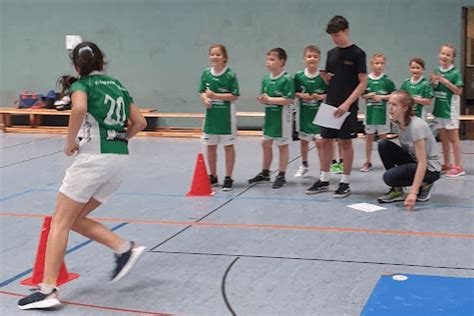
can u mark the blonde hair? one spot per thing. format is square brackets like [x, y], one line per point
[450, 46]
[312, 48]
[378, 55]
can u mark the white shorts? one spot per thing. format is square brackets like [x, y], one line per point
[280, 141]
[95, 176]
[448, 124]
[380, 129]
[308, 137]
[214, 139]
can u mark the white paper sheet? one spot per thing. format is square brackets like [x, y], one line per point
[366, 207]
[325, 117]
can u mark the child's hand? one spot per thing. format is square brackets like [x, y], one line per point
[377, 98]
[210, 94]
[368, 95]
[306, 97]
[317, 97]
[263, 98]
[207, 103]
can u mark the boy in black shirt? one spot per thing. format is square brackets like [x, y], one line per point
[346, 76]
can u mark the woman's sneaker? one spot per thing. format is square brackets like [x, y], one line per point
[40, 300]
[394, 195]
[318, 187]
[456, 171]
[366, 167]
[227, 186]
[302, 170]
[125, 261]
[213, 180]
[424, 193]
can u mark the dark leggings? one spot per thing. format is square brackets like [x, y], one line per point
[400, 166]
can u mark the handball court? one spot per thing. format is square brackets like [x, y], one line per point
[251, 251]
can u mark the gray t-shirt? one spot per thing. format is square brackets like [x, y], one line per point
[418, 129]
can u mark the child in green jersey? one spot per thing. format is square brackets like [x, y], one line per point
[448, 86]
[418, 87]
[310, 89]
[379, 87]
[100, 107]
[219, 92]
[277, 95]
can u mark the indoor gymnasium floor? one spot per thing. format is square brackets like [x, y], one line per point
[251, 251]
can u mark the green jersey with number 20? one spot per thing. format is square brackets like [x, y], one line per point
[108, 107]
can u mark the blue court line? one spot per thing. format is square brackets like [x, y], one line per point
[68, 251]
[16, 195]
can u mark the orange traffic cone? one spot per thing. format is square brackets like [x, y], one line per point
[201, 185]
[38, 269]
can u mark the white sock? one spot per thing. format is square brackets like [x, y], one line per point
[126, 246]
[46, 288]
[325, 176]
[345, 178]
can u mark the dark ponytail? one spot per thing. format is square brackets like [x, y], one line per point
[86, 58]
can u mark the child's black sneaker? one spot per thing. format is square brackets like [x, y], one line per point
[342, 191]
[259, 178]
[279, 182]
[40, 300]
[213, 180]
[318, 187]
[125, 261]
[227, 186]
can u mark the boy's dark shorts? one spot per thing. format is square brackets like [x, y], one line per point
[348, 129]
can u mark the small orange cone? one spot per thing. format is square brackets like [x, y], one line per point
[38, 269]
[201, 186]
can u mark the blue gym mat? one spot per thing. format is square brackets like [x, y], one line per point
[413, 295]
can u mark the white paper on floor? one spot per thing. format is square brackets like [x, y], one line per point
[366, 207]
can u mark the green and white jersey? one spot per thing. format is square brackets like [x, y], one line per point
[221, 118]
[376, 112]
[306, 111]
[108, 107]
[420, 88]
[446, 102]
[278, 118]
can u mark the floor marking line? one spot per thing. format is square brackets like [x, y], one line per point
[271, 226]
[309, 259]
[102, 307]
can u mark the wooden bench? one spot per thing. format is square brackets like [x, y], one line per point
[35, 125]
[35, 122]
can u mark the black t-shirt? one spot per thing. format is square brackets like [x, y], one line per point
[346, 64]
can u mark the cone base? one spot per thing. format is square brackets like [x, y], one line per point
[70, 277]
[200, 194]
